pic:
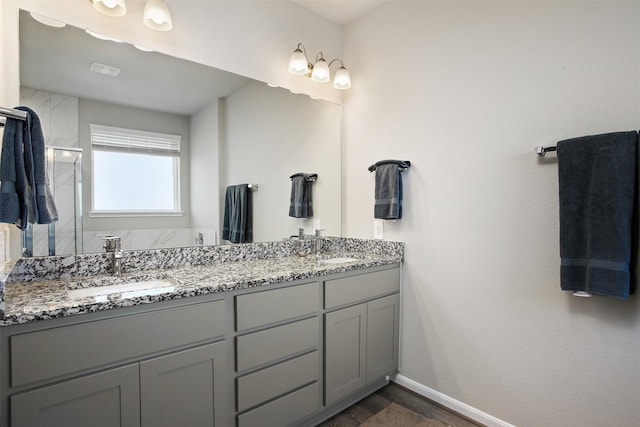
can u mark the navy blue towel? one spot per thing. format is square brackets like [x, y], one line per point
[13, 178]
[597, 183]
[25, 196]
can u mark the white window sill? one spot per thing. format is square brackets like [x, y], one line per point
[124, 214]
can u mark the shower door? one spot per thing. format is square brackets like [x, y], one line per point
[64, 237]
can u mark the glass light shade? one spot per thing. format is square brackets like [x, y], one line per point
[321, 72]
[156, 16]
[342, 79]
[298, 64]
[110, 7]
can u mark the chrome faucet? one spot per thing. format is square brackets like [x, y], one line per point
[112, 244]
[316, 245]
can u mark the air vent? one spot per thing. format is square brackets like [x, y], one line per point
[96, 67]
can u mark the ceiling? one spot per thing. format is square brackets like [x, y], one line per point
[340, 12]
[57, 60]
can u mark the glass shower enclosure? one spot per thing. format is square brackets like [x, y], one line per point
[64, 237]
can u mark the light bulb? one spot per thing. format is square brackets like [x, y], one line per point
[342, 80]
[321, 72]
[298, 64]
[156, 15]
[110, 7]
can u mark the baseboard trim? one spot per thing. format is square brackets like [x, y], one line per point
[449, 402]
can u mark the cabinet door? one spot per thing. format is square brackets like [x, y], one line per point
[345, 346]
[383, 316]
[106, 399]
[187, 388]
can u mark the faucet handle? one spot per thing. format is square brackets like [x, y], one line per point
[319, 232]
[111, 243]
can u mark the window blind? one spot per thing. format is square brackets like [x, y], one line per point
[107, 138]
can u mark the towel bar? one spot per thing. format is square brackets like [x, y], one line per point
[403, 165]
[541, 151]
[13, 114]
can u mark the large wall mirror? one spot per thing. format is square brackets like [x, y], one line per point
[233, 130]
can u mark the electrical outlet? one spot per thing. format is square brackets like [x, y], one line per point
[378, 229]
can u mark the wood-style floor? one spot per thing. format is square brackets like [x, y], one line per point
[395, 406]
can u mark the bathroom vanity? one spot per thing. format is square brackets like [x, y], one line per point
[266, 341]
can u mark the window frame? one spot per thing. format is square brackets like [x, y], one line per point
[164, 143]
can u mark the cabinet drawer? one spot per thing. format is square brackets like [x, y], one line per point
[361, 287]
[277, 380]
[284, 410]
[271, 344]
[45, 354]
[262, 308]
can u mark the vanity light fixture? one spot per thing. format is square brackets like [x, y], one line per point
[156, 15]
[319, 72]
[110, 7]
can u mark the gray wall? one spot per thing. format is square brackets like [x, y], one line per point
[272, 134]
[205, 171]
[466, 90]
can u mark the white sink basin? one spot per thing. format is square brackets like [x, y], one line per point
[340, 260]
[128, 290]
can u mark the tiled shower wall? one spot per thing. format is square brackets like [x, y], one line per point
[59, 119]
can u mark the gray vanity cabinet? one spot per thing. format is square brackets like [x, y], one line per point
[345, 351]
[106, 399]
[277, 355]
[361, 338]
[186, 388]
[288, 354]
[160, 367]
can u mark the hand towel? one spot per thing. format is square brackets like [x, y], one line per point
[25, 196]
[388, 188]
[596, 178]
[14, 192]
[44, 208]
[237, 224]
[301, 205]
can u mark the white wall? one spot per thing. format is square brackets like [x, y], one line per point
[466, 90]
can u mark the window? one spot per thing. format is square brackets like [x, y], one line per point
[134, 172]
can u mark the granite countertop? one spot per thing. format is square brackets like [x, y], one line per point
[26, 302]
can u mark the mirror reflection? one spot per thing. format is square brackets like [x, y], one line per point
[232, 130]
